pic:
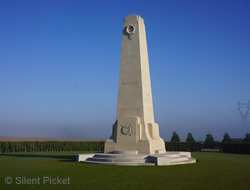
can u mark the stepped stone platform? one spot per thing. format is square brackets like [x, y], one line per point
[131, 158]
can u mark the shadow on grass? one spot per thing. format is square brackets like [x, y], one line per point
[63, 157]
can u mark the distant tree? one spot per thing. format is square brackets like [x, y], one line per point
[247, 138]
[209, 141]
[226, 138]
[190, 138]
[175, 137]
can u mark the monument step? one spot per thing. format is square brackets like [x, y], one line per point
[180, 158]
[135, 156]
[175, 155]
[169, 158]
[172, 155]
[120, 163]
[116, 160]
[188, 161]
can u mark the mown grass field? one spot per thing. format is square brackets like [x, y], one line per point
[213, 171]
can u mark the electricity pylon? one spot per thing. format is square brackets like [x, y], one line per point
[243, 109]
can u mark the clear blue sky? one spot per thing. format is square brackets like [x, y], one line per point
[59, 66]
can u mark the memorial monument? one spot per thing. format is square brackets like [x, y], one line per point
[135, 138]
[135, 129]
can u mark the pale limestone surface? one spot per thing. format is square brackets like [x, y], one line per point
[135, 137]
[135, 128]
[132, 159]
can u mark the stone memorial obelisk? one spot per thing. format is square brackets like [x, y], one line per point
[135, 129]
[135, 138]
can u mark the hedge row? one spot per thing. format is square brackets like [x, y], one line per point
[183, 146]
[237, 148]
[30, 146]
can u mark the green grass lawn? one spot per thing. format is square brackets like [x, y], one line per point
[213, 171]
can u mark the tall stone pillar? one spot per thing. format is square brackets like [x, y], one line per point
[135, 129]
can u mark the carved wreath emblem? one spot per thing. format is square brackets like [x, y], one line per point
[130, 30]
[126, 129]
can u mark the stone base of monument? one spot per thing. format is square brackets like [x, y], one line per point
[131, 158]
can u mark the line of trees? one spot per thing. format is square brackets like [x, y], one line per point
[209, 138]
[226, 146]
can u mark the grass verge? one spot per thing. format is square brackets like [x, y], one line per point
[212, 171]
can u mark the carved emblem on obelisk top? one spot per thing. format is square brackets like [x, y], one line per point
[129, 30]
[126, 129]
